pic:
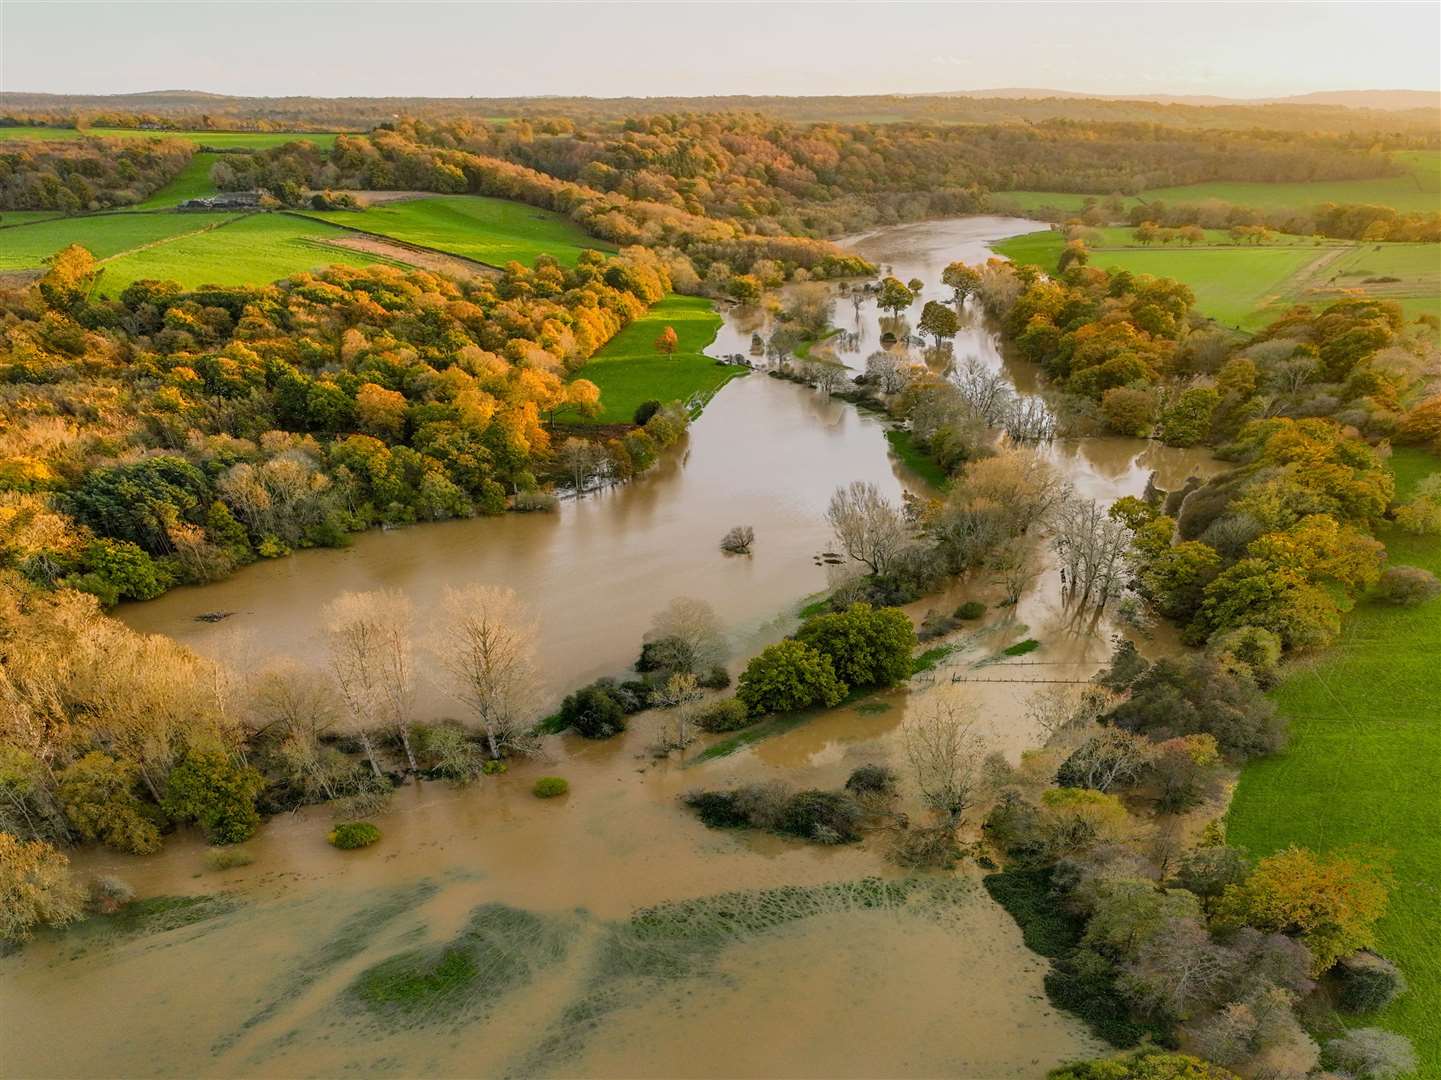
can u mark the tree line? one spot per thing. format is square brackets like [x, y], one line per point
[89, 174]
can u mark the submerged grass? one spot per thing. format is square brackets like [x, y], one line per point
[916, 459]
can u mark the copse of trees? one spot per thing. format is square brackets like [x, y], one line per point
[170, 435]
[88, 174]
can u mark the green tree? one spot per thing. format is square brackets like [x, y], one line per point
[866, 646]
[894, 296]
[963, 281]
[207, 787]
[940, 321]
[1188, 421]
[786, 676]
[36, 888]
[98, 796]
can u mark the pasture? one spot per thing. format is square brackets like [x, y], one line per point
[1364, 768]
[492, 231]
[629, 370]
[1247, 286]
[253, 249]
[192, 183]
[221, 140]
[27, 246]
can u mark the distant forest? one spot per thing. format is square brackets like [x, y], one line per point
[195, 110]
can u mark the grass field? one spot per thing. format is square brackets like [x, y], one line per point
[225, 140]
[1418, 191]
[1364, 769]
[26, 217]
[1248, 286]
[192, 183]
[494, 231]
[252, 249]
[27, 246]
[629, 370]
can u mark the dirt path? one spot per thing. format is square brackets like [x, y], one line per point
[413, 255]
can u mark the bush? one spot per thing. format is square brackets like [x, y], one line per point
[644, 411]
[717, 678]
[1148, 1063]
[207, 787]
[548, 787]
[36, 888]
[1193, 695]
[530, 502]
[1206, 871]
[786, 676]
[1407, 586]
[98, 796]
[227, 858]
[1371, 1054]
[717, 809]
[109, 894]
[350, 835]
[971, 609]
[594, 712]
[1248, 650]
[1367, 982]
[727, 714]
[827, 817]
[739, 540]
[871, 780]
[866, 646]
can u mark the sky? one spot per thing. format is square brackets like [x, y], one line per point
[468, 49]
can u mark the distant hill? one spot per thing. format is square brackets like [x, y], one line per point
[1380, 100]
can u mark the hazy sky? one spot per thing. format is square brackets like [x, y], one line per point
[463, 49]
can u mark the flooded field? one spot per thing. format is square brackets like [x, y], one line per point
[605, 933]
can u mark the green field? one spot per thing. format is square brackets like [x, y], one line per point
[249, 250]
[630, 371]
[1247, 286]
[1418, 191]
[26, 217]
[493, 231]
[28, 246]
[225, 140]
[1364, 769]
[192, 183]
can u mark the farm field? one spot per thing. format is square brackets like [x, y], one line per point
[250, 250]
[1364, 767]
[493, 231]
[192, 183]
[225, 140]
[26, 217]
[1419, 191]
[1247, 286]
[629, 370]
[104, 235]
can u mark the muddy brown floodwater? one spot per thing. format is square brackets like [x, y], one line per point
[516, 919]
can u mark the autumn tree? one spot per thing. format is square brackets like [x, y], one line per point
[962, 280]
[36, 888]
[667, 341]
[486, 646]
[940, 321]
[894, 296]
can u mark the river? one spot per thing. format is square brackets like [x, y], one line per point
[820, 982]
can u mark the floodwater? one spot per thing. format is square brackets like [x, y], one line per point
[782, 962]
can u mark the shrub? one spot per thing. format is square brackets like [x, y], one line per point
[227, 858]
[827, 817]
[717, 678]
[1407, 586]
[717, 809]
[971, 609]
[350, 835]
[866, 646]
[1207, 871]
[1192, 695]
[36, 888]
[644, 411]
[786, 676]
[1148, 1063]
[548, 787]
[1367, 982]
[727, 714]
[207, 787]
[739, 540]
[109, 894]
[449, 753]
[593, 712]
[1371, 1054]
[531, 502]
[871, 780]
[1248, 650]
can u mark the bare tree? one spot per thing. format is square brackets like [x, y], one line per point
[1029, 420]
[739, 540]
[1092, 547]
[885, 372]
[987, 392]
[1065, 709]
[945, 756]
[368, 635]
[486, 647]
[1015, 563]
[679, 696]
[828, 375]
[1112, 757]
[870, 527]
[581, 458]
[694, 625]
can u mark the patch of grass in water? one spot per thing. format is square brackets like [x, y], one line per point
[928, 660]
[761, 729]
[158, 914]
[916, 459]
[1020, 648]
[871, 708]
